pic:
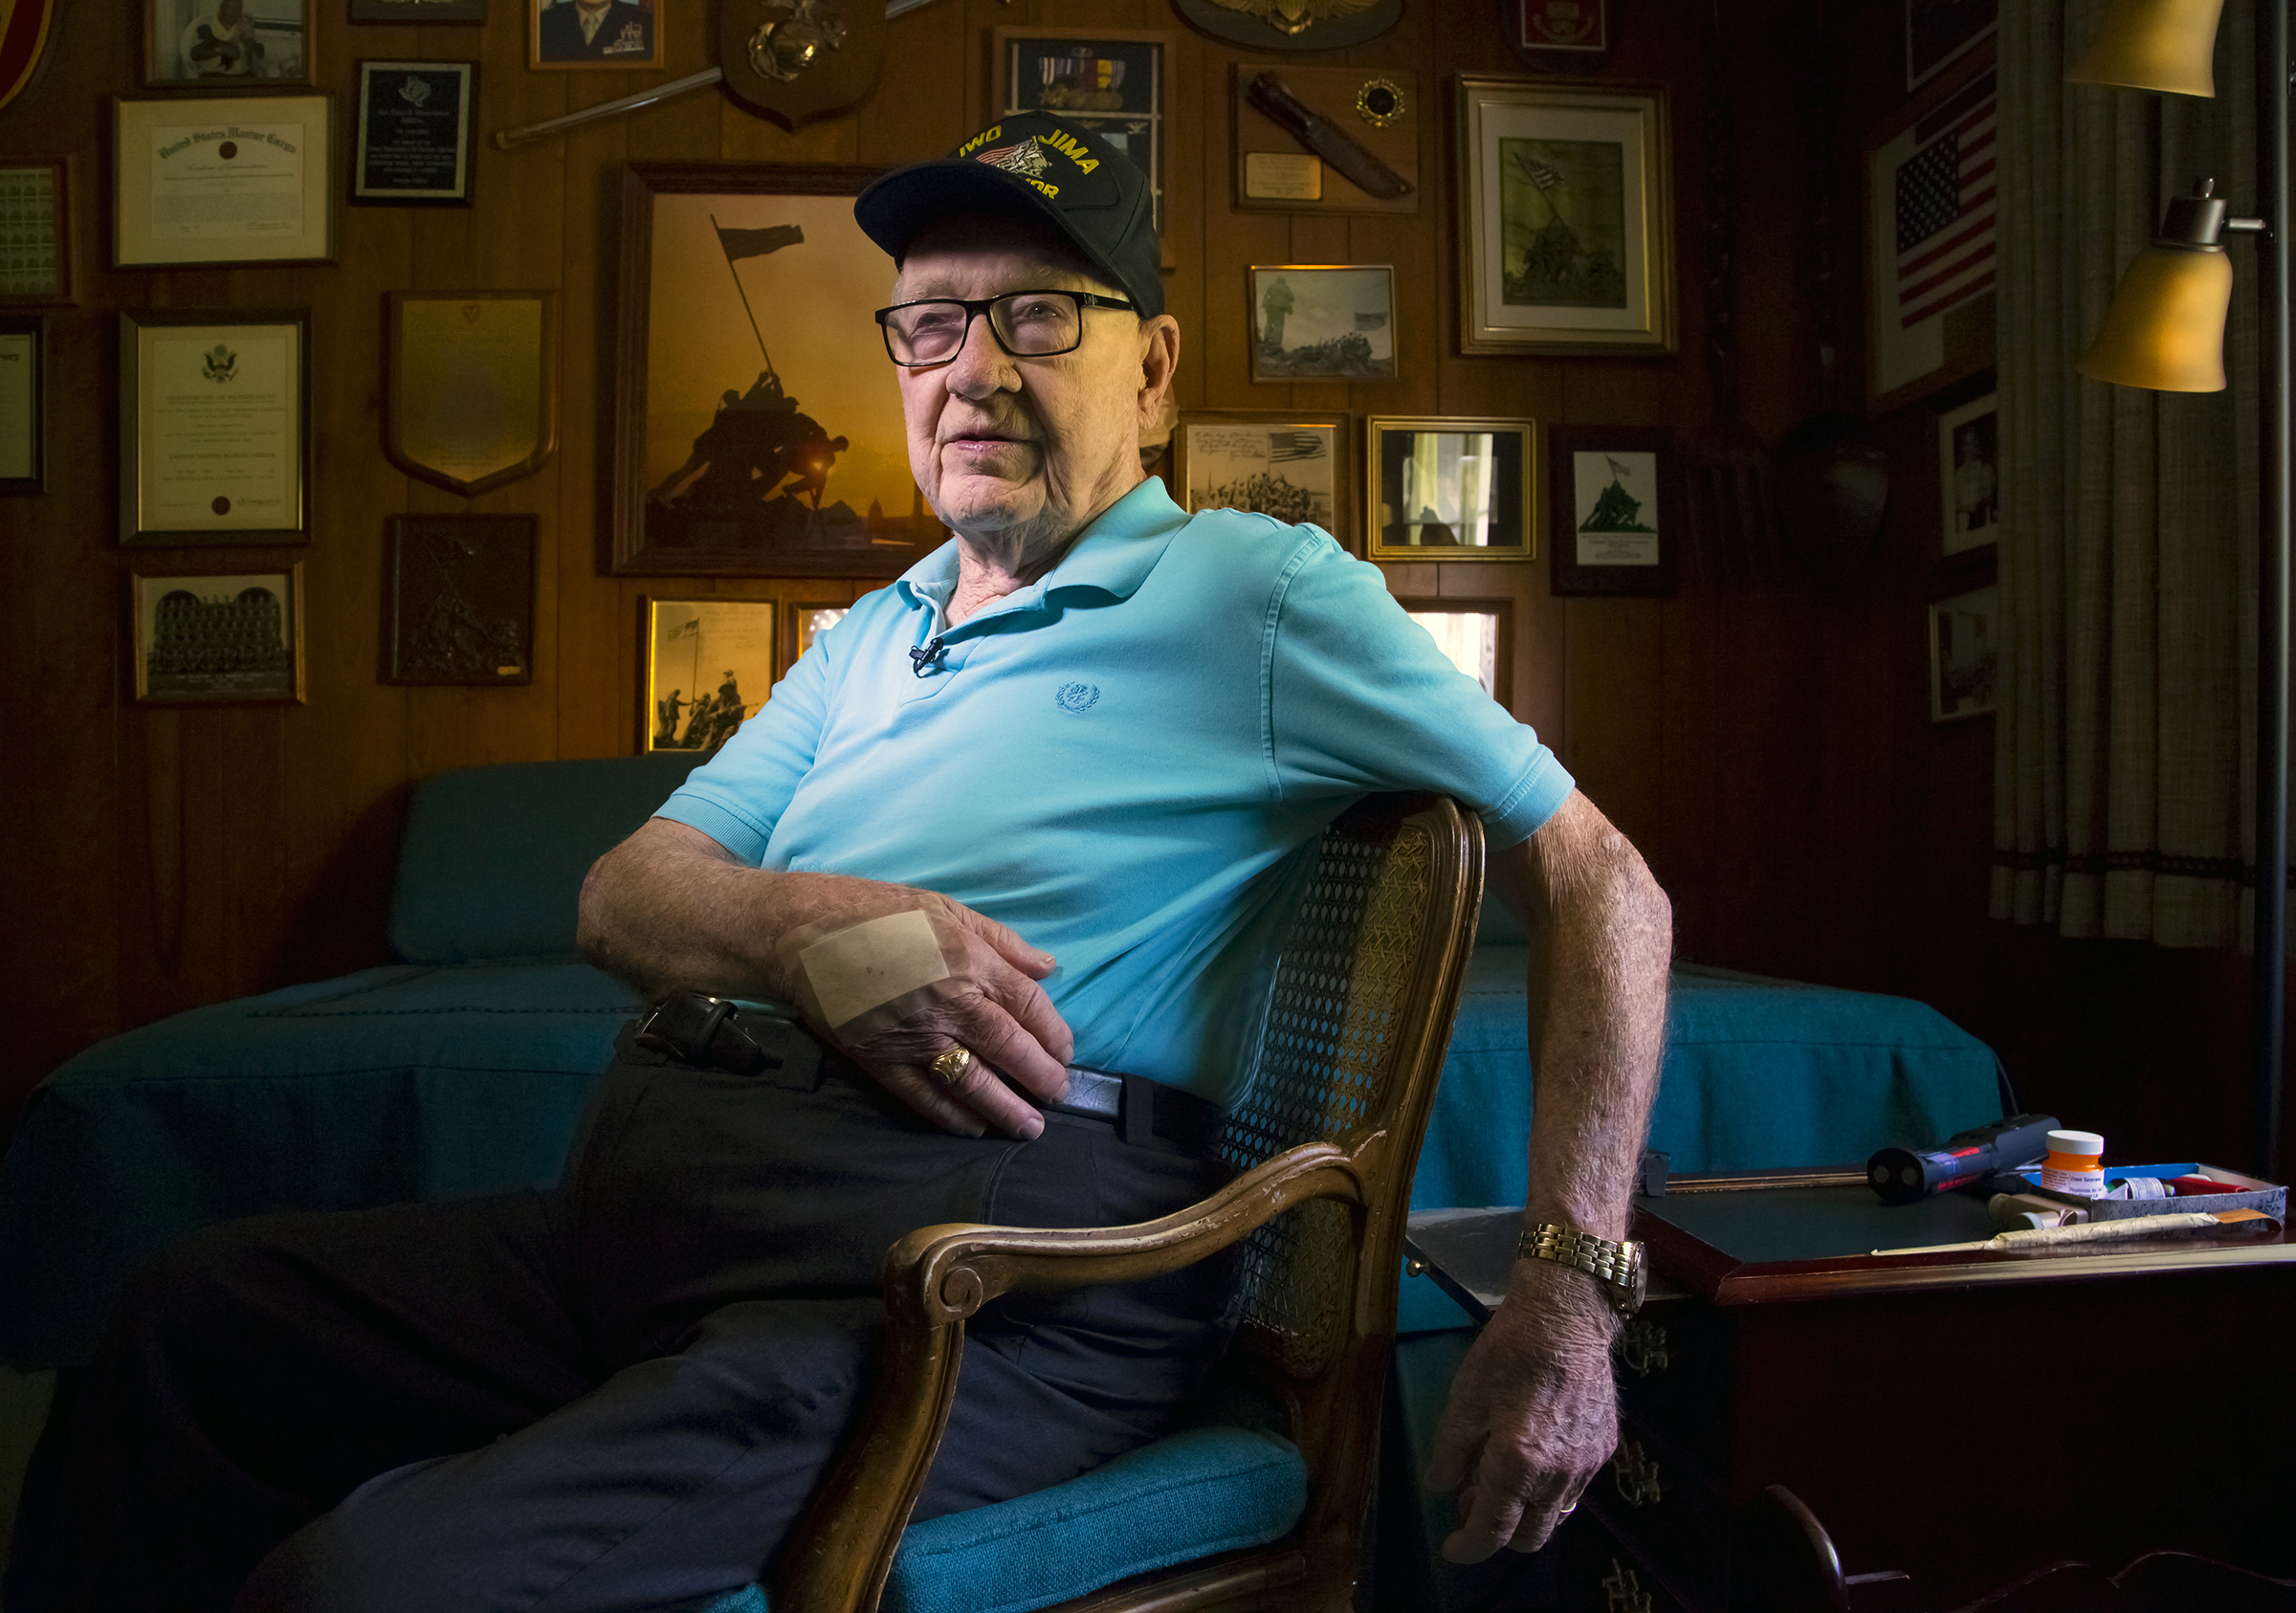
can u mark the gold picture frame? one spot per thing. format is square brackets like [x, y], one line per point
[214, 427]
[708, 663]
[1566, 221]
[1449, 488]
[1292, 465]
[215, 636]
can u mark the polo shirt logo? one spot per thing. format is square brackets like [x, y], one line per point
[1077, 696]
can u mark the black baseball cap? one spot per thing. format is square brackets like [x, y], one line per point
[1032, 165]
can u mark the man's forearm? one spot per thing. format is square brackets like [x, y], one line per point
[671, 907]
[1597, 998]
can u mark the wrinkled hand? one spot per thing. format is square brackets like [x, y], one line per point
[990, 1003]
[1533, 1413]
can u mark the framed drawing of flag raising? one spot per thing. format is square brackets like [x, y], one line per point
[1931, 188]
[1566, 230]
[757, 424]
[1611, 504]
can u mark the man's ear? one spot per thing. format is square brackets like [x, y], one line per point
[1160, 363]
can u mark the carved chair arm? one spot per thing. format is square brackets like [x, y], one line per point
[934, 1279]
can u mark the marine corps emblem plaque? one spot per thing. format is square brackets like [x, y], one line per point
[793, 61]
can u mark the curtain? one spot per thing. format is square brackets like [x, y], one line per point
[2124, 744]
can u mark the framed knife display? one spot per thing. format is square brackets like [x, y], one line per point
[1377, 112]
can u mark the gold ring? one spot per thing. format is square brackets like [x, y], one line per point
[950, 1064]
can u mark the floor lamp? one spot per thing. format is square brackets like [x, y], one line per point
[2165, 330]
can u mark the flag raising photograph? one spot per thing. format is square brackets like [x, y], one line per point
[1935, 204]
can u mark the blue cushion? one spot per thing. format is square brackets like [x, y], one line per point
[389, 1084]
[493, 858]
[1187, 1495]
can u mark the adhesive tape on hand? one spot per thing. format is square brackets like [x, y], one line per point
[868, 965]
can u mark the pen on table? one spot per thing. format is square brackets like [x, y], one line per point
[2093, 1231]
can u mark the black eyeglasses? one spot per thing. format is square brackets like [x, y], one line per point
[1028, 324]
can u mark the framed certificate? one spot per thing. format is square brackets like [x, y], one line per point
[412, 143]
[23, 403]
[224, 180]
[214, 427]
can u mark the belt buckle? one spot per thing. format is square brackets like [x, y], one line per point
[658, 1036]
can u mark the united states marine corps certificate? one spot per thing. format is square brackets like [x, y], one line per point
[222, 181]
[215, 421]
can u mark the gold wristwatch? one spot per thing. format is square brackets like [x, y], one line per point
[1618, 1267]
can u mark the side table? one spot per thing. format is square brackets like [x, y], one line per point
[1911, 1402]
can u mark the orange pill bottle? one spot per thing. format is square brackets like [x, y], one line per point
[2075, 1164]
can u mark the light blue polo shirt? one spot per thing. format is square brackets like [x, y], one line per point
[1129, 762]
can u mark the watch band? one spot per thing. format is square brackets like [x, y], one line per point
[1617, 1266]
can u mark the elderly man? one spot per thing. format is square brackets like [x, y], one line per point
[1036, 812]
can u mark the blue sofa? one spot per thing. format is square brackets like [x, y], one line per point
[458, 1070]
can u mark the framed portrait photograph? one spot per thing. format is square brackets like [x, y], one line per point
[214, 425]
[1322, 321]
[458, 600]
[1611, 505]
[1939, 33]
[1109, 80]
[1964, 653]
[410, 145]
[758, 427]
[803, 621]
[35, 231]
[216, 638]
[1449, 489]
[1292, 466]
[1968, 484]
[1566, 223]
[217, 180]
[226, 44]
[23, 403]
[1476, 635]
[613, 33]
[709, 664]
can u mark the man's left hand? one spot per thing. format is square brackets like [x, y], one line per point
[1533, 1413]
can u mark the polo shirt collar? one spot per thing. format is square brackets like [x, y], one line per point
[1114, 556]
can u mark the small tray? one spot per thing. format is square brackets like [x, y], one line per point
[2257, 1195]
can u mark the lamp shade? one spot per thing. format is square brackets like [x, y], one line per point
[2155, 45]
[2165, 330]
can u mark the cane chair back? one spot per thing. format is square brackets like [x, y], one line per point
[1366, 987]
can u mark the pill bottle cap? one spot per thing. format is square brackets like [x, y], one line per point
[2076, 1142]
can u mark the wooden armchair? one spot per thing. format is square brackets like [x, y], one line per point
[1327, 1135]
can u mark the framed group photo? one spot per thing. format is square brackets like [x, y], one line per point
[1565, 219]
[1292, 467]
[1449, 489]
[216, 638]
[226, 44]
[214, 427]
[222, 181]
[709, 666]
[758, 427]
[1322, 321]
[1611, 504]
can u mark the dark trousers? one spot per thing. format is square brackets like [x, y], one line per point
[615, 1396]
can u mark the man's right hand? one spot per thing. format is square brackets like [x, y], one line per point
[671, 907]
[991, 1004]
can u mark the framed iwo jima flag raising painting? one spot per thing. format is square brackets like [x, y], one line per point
[757, 421]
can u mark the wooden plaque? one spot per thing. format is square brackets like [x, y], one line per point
[473, 386]
[1272, 168]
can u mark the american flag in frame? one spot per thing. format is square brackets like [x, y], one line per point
[1933, 207]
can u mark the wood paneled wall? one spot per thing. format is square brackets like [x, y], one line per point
[1769, 749]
